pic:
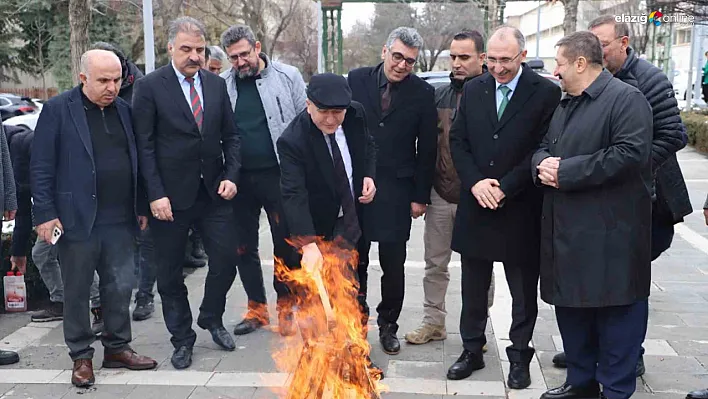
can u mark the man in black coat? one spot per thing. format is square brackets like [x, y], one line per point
[502, 117]
[595, 165]
[402, 118]
[670, 201]
[189, 159]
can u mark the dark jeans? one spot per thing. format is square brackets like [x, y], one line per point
[261, 190]
[522, 277]
[392, 256]
[214, 219]
[145, 265]
[603, 345]
[110, 252]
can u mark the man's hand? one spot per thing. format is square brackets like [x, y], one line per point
[143, 222]
[227, 189]
[488, 193]
[19, 263]
[311, 258]
[548, 171]
[9, 215]
[161, 209]
[45, 230]
[418, 210]
[368, 192]
[705, 215]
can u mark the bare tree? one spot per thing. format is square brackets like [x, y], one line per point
[79, 20]
[359, 49]
[298, 43]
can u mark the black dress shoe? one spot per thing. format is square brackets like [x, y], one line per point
[519, 376]
[249, 325]
[567, 391]
[465, 365]
[389, 342]
[700, 394]
[182, 357]
[222, 338]
[8, 357]
[640, 367]
[559, 360]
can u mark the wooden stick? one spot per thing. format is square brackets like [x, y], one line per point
[324, 297]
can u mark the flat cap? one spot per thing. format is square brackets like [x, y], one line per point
[329, 91]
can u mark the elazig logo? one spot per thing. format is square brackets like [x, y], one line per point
[655, 18]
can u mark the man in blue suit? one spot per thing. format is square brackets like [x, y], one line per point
[84, 181]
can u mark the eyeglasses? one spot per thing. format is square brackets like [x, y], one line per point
[244, 56]
[503, 61]
[398, 57]
[610, 42]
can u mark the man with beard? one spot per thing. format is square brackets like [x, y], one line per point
[467, 57]
[671, 202]
[595, 166]
[189, 159]
[265, 96]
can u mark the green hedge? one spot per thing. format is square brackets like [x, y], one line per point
[36, 291]
[697, 129]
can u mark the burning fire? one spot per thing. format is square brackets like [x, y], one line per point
[330, 357]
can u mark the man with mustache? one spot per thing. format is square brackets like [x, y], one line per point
[502, 117]
[265, 96]
[189, 159]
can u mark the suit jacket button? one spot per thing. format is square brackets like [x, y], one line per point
[381, 124]
[491, 163]
[93, 196]
[496, 136]
[555, 140]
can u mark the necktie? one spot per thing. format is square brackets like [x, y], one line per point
[352, 232]
[505, 100]
[195, 103]
[386, 98]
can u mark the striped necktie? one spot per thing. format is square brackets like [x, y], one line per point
[195, 103]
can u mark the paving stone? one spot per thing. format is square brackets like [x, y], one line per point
[5, 387]
[160, 392]
[543, 342]
[675, 383]
[690, 348]
[431, 352]
[36, 391]
[223, 393]
[415, 369]
[100, 392]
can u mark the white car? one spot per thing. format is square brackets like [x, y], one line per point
[27, 120]
[681, 83]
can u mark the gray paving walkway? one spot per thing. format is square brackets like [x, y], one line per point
[676, 359]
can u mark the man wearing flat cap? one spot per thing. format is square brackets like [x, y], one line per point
[327, 169]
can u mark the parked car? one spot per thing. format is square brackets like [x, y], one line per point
[680, 83]
[14, 105]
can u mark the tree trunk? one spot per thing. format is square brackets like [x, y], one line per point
[42, 68]
[570, 21]
[79, 20]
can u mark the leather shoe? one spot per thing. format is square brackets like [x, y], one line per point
[559, 360]
[8, 357]
[389, 342]
[374, 370]
[519, 376]
[222, 338]
[465, 365]
[128, 359]
[286, 326]
[640, 367]
[182, 357]
[82, 375]
[256, 317]
[700, 394]
[567, 391]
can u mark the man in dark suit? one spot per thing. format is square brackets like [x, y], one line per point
[189, 158]
[328, 166]
[402, 118]
[503, 116]
[84, 182]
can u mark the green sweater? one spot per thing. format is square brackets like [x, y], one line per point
[257, 150]
[705, 74]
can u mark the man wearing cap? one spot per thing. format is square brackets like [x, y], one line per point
[328, 166]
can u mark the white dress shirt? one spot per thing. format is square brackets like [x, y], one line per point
[341, 140]
[511, 85]
[185, 87]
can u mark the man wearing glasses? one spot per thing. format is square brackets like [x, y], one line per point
[500, 122]
[402, 118]
[265, 96]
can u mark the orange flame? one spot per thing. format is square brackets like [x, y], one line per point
[330, 357]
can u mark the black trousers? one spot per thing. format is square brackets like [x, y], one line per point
[603, 345]
[392, 256]
[214, 220]
[109, 250]
[261, 190]
[522, 277]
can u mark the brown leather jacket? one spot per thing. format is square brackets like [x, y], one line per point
[446, 182]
